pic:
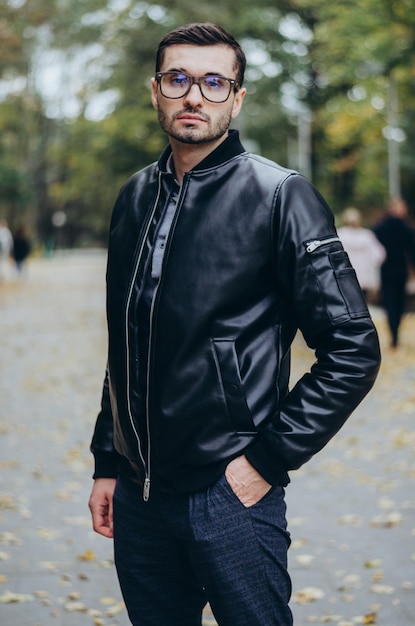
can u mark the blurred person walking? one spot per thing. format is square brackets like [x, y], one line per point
[398, 239]
[6, 248]
[21, 249]
[365, 251]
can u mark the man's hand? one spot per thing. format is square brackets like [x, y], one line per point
[246, 482]
[100, 504]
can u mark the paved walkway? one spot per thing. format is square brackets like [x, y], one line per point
[351, 509]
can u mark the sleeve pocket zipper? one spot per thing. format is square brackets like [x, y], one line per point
[310, 246]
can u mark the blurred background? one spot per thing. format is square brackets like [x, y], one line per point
[330, 85]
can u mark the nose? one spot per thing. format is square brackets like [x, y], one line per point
[194, 95]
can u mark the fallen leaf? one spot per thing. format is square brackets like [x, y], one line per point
[386, 504]
[8, 597]
[352, 581]
[308, 594]
[48, 533]
[106, 601]
[383, 589]
[88, 556]
[114, 610]
[378, 576]
[9, 538]
[72, 607]
[50, 566]
[348, 597]
[324, 619]
[372, 563]
[8, 502]
[387, 521]
[350, 520]
[74, 595]
[304, 559]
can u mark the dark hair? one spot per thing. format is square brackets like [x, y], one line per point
[203, 34]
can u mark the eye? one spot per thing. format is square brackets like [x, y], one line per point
[215, 82]
[179, 79]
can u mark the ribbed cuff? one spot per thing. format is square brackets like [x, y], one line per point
[266, 462]
[106, 465]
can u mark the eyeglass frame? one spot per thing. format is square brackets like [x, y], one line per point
[233, 84]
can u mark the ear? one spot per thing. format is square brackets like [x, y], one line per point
[154, 89]
[237, 102]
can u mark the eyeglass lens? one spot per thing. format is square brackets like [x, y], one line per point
[213, 88]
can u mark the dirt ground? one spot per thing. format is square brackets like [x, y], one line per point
[351, 509]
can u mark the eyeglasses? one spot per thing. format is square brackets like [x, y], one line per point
[212, 87]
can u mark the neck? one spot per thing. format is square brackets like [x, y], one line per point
[187, 156]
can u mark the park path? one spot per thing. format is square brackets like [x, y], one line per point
[351, 509]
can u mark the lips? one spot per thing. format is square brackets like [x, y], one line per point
[190, 118]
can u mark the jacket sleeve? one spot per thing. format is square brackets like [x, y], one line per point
[102, 446]
[321, 292]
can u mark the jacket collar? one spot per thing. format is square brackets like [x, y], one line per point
[228, 149]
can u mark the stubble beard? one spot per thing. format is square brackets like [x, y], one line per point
[191, 134]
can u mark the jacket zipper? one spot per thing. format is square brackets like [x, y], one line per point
[317, 243]
[147, 482]
[146, 465]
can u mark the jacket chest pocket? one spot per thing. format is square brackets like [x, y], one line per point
[232, 389]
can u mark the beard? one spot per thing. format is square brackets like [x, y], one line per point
[192, 134]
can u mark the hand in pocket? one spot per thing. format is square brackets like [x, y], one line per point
[247, 484]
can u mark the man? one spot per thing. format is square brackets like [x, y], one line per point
[6, 248]
[216, 257]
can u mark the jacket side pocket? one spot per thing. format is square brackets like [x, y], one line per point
[238, 409]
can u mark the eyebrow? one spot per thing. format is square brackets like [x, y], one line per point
[184, 71]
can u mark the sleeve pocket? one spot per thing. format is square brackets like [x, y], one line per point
[339, 290]
[348, 284]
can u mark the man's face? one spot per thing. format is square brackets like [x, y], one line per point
[192, 119]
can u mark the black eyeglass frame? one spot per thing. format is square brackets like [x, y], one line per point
[196, 81]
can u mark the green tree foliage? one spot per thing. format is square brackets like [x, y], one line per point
[358, 47]
[76, 117]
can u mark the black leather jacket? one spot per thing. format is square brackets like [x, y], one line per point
[252, 256]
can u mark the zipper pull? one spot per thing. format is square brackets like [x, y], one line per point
[146, 490]
[316, 243]
[313, 245]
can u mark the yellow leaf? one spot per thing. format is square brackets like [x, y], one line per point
[112, 611]
[372, 563]
[88, 555]
[308, 594]
[107, 600]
